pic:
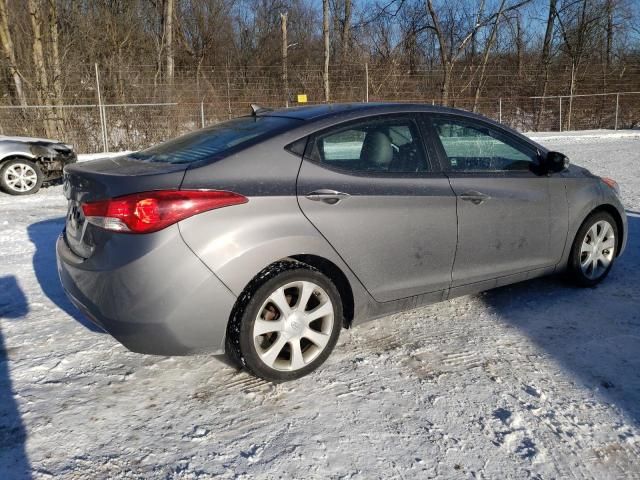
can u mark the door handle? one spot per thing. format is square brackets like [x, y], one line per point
[327, 196]
[474, 197]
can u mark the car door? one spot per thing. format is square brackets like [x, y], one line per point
[504, 204]
[370, 189]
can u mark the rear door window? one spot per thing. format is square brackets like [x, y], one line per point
[217, 141]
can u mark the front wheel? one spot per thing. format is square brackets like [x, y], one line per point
[594, 250]
[286, 323]
[20, 177]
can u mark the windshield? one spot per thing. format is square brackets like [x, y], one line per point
[211, 142]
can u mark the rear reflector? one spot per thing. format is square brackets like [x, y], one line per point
[152, 211]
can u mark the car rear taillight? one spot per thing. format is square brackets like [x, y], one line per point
[152, 211]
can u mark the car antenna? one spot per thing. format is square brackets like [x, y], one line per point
[256, 109]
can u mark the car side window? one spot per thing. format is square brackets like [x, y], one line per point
[372, 145]
[472, 147]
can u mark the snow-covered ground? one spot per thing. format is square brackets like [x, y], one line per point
[535, 380]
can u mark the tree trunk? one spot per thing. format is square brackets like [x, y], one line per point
[285, 49]
[607, 61]
[572, 86]
[42, 82]
[548, 34]
[168, 38]
[545, 58]
[346, 31]
[446, 83]
[485, 56]
[325, 36]
[55, 52]
[519, 45]
[609, 33]
[55, 65]
[445, 57]
[473, 45]
[10, 55]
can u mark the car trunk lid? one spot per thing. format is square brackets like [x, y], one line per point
[109, 178]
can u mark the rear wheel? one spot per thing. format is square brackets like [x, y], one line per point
[20, 177]
[594, 250]
[286, 323]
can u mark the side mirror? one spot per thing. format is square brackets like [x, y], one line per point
[556, 162]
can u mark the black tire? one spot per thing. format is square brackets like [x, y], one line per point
[11, 190]
[240, 347]
[575, 272]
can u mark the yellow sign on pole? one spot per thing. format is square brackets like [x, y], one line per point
[302, 98]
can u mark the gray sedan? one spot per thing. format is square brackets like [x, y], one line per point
[262, 237]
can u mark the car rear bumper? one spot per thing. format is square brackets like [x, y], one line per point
[157, 297]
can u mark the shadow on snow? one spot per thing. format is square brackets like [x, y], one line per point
[593, 333]
[44, 235]
[14, 462]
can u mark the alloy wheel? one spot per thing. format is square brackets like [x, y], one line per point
[293, 326]
[597, 250]
[20, 177]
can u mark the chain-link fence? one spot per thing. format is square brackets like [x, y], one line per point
[141, 111]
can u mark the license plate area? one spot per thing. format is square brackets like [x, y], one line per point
[76, 229]
[75, 220]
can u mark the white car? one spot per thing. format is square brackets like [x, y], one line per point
[27, 163]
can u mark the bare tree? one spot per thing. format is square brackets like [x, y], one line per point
[8, 50]
[545, 58]
[42, 82]
[519, 43]
[55, 53]
[345, 33]
[578, 27]
[548, 34]
[231, 52]
[608, 53]
[454, 33]
[453, 39]
[485, 56]
[204, 32]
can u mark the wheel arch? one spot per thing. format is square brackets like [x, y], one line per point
[613, 211]
[17, 156]
[337, 276]
[324, 266]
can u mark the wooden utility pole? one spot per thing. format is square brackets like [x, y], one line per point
[325, 36]
[285, 49]
[9, 53]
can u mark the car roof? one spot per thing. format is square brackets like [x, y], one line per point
[328, 113]
[6, 138]
[317, 112]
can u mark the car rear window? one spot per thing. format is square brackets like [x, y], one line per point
[214, 142]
